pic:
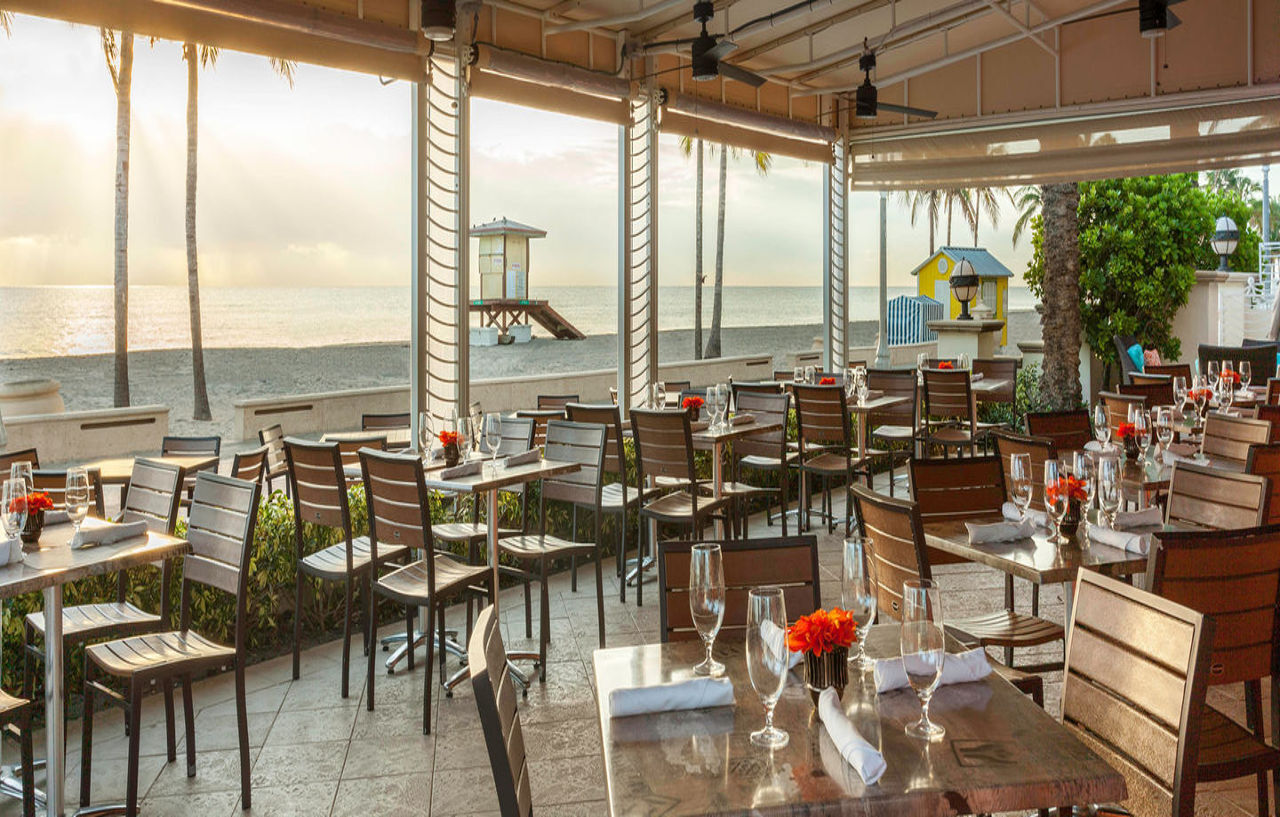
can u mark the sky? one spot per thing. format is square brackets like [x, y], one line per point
[310, 185]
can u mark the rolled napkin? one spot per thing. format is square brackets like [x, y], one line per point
[1011, 512]
[1095, 446]
[865, 759]
[742, 419]
[999, 531]
[776, 638]
[957, 668]
[695, 693]
[1128, 520]
[464, 470]
[1172, 458]
[56, 518]
[1139, 543]
[532, 455]
[10, 551]
[107, 534]
[975, 377]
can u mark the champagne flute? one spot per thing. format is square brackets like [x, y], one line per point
[1201, 398]
[1164, 428]
[1056, 499]
[1246, 373]
[1226, 394]
[1102, 424]
[1020, 481]
[1082, 469]
[923, 650]
[706, 601]
[493, 435]
[1180, 390]
[858, 594]
[767, 659]
[1213, 370]
[13, 513]
[77, 496]
[1109, 488]
[426, 434]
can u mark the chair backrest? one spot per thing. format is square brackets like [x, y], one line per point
[220, 528]
[1170, 370]
[537, 420]
[664, 444]
[495, 693]
[181, 446]
[250, 465]
[999, 368]
[1228, 438]
[615, 454]
[1122, 344]
[155, 489]
[1040, 449]
[583, 444]
[822, 416]
[958, 488]
[1271, 414]
[1204, 497]
[1157, 393]
[1262, 358]
[783, 375]
[1118, 407]
[1273, 391]
[8, 458]
[557, 401]
[385, 422]
[1232, 577]
[54, 483]
[1264, 461]
[399, 509]
[948, 393]
[518, 436]
[894, 383]
[317, 484]
[685, 394]
[790, 563]
[349, 447]
[1133, 689]
[1143, 378]
[674, 386]
[897, 548]
[755, 388]
[273, 438]
[1070, 430]
[935, 362]
[766, 408]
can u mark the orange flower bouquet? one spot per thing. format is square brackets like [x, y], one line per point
[450, 440]
[1076, 492]
[946, 364]
[827, 381]
[824, 637]
[694, 406]
[36, 503]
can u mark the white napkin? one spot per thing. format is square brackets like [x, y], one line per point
[999, 531]
[975, 377]
[56, 518]
[776, 638]
[1094, 445]
[862, 756]
[1138, 543]
[532, 455]
[957, 668]
[1171, 458]
[742, 419]
[695, 693]
[10, 551]
[1128, 520]
[464, 470]
[1038, 518]
[107, 534]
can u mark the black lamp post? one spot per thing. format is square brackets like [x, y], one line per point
[1226, 236]
[964, 285]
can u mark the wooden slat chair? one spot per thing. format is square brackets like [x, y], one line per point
[1264, 461]
[400, 512]
[319, 490]
[277, 468]
[54, 483]
[1143, 378]
[495, 695]
[788, 562]
[1070, 430]
[583, 444]
[898, 551]
[397, 421]
[155, 489]
[677, 386]
[220, 529]
[894, 428]
[1273, 391]
[948, 414]
[664, 449]
[1122, 641]
[754, 388]
[764, 452]
[1159, 393]
[998, 368]
[828, 448]
[1170, 370]
[1228, 438]
[191, 447]
[956, 489]
[349, 448]
[1118, 407]
[1232, 577]
[15, 720]
[783, 375]
[539, 418]
[250, 465]
[1271, 414]
[1205, 497]
[1039, 449]
[557, 401]
[8, 458]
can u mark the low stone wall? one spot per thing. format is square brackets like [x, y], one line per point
[899, 356]
[76, 436]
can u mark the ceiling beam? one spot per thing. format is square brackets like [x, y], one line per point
[1021, 26]
[618, 19]
[675, 22]
[812, 28]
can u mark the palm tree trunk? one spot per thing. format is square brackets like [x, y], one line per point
[201, 392]
[1060, 319]
[697, 262]
[713, 339]
[932, 241]
[950, 201]
[123, 110]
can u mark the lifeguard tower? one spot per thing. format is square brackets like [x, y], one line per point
[504, 305]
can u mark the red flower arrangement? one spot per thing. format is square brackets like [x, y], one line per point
[694, 403]
[822, 631]
[34, 502]
[946, 364]
[1126, 430]
[1074, 488]
[827, 381]
[1231, 376]
[448, 437]
[1201, 394]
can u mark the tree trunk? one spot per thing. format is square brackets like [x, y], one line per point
[201, 392]
[123, 108]
[950, 201]
[713, 339]
[1060, 320]
[932, 227]
[697, 263]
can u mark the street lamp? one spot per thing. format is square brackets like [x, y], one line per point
[1225, 238]
[964, 285]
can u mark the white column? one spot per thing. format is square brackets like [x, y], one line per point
[882, 345]
[418, 278]
[835, 273]
[638, 251]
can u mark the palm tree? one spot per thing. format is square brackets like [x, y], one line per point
[1060, 319]
[6, 22]
[119, 56]
[952, 197]
[686, 145]
[978, 201]
[1027, 201]
[762, 161]
[1231, 181]
[930, 203]
[197, 57]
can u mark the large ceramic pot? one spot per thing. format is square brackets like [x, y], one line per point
[831, 669]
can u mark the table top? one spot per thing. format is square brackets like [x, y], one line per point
[394, 436]
[988, 384]
[351, 470]
[119, 470]
[489, 480]
[56, 563]
[1037, 559]
[731, 432]
[1001, 751]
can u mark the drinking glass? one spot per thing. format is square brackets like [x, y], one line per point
[922, 649]
[1180, 390]
[797, 375]
[1164, 427]
[858, 593]
[1213, 374]
[711, 405]
[722, 403]
[1082, 469]
[1109, 488]
[659, 395]
[706, 600]
[1020, 481]
[850, 382]
[922, 361]
[863, 391]
[426, 434]
[1141, 431]
[811, 374]
[13, 513]
[963, 362]
[77, 496]
[1101, 424]
[22, 471]
[477, 429]
[493, 435]
[1056, 501]
[1226, 394]
[767, 658]
[1246, 373]
[1201, 398]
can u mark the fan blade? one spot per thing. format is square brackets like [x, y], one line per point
[730, 71]
[722, 49]
[909, 111]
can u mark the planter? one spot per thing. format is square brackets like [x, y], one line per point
[20, 398]
[831, 669]
[1131, 448]
[30, 534]
[1071, 522]
[451, 455]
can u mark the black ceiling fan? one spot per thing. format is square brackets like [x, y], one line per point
[866, 101]
[709, 49]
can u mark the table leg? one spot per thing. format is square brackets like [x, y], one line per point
[11, 775]
[717, 478]
[53, 695]
[520, 678]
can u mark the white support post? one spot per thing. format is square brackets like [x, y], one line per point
[418, 280]
[835, 272]
[882, 344]
[638, 251]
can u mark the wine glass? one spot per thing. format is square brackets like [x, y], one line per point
[1020, 481]
[922, 361]
[1164, 427]
[660, 395]
[1214, 368]
[1201, 398]
[22, 470]
[797, 375]
[1226, 394]
[493, 435]
[711, 405]
[426, 434]
[1082, 469]
[767, 659]
[1246, 373]
[922, 649]
[1056, 498]
[77, 496]
[722, 404]
[706, 600]
[1141, 430]
[811, 374]
[1109, 488]
[1102, 424]
[858, 593]
[13, 513]
[477, 430]
[963, 362]
[1180, 390]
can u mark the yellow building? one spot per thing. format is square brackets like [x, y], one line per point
[933, 279]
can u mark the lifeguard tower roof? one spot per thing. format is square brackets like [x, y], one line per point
[506, 226]
[984, 263]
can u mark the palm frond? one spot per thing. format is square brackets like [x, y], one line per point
[285, 69]
[763, 162]
[6, 22]
[111, 51]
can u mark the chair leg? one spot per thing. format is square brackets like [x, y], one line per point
[189, 719]
[346, 638]
[242, 733]
[1008, 605]
[528, 609]
[171, 742]
[86, 739]
[28, 773]
[28, 663]
[600, 591]
[135, 739]
[297, 627]
[371, 657]
[431, 654]
[545, 624]
[622, 555]
[573, 559]
[408, 630]
[367, 606]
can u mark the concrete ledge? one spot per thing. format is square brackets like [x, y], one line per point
[76, 436]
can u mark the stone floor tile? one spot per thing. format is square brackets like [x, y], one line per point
[398, 796]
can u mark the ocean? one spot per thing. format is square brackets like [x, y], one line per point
[53, 320]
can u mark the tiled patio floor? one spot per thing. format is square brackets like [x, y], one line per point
[316, 754]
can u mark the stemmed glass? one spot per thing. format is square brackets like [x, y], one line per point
[1180, 390]
[864, 389]
[858, 593]
[1082, 469]
[722, 405]
[1141, 431]
[922, 649]
[706, 600]
[712, 405]
[1102, 425]
[1056, 500]
[659, 395]
[1164, 427]
[797, 375]
[77, 496]
[493, 435]
[477, 429]
[1226, 394]
[13, 515]
[963, 362]
[811, 374]
[426, 434]
[767, 659]
[1246, 373]
[1201, 399]
[22, 470]
[1020, 481]
[1109, 488]
[1213, 370]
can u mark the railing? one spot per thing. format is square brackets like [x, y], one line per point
[1263, 287]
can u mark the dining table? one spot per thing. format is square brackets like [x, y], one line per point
[119, 470]
[1000, 753]
[716, 438]
[53, 564]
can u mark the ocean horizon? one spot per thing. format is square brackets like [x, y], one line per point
[43, 321]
